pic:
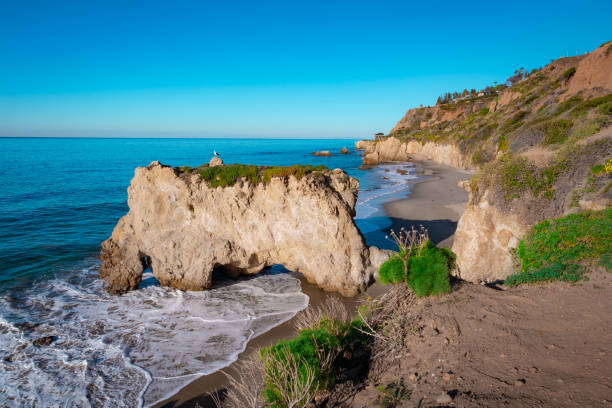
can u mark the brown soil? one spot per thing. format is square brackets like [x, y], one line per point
[537, 346]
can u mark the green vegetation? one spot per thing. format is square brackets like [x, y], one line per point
[606, 261]
[393, 270]
[554, 272]
[502, 145]
[428, 271]
[479, 158]
[568, 104]
[552, 249]
[484, 111]
[569, 73]
[224, 176]
[555, 131]
[392, 394]
[515, 175]
[598, 169]
[568, 239]
[514, 122]
[309, 362]
[297, 170]
[423, 266]
[591, 103]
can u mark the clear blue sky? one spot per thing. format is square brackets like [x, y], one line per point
[260, 68]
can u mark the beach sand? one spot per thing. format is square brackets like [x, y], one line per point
[435, 201]
[199, 390]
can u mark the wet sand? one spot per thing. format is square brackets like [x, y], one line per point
[436, 202]
[198, 391]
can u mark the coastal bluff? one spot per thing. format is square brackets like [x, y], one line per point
[183, 228]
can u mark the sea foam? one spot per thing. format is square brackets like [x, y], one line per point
[130, 350]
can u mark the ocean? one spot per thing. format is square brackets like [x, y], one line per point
[60, 198]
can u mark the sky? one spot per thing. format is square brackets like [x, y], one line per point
[262, 68]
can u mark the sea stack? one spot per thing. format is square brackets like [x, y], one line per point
[182, 228]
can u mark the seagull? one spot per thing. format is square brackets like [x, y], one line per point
[216, 154]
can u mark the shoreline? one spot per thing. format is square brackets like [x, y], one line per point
[435, 201]
[198, 390]
[438, 205]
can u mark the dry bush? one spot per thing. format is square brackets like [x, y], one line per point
[409, 241]
[388, 319]
[292, 377]
[331, 309]
[246, 387]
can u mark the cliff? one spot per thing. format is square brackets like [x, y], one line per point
[183, 225]
[539, 145]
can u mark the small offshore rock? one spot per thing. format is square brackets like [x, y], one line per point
[44, 341]
[344, 150]
[324, 153]
[444, 399]
[215, 161]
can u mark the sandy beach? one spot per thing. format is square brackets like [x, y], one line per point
[435, 201]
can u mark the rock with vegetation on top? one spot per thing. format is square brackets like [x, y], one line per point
[215, 161]
[183, 228]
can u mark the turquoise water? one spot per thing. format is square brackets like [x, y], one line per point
[59, 199]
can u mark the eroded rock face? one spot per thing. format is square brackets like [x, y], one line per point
[183, 228]
[394, 150]
[483, 242]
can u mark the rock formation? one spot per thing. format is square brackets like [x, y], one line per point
[344, 150]
[183, 228]
[215, 161]
[394, 150]
[324, 153]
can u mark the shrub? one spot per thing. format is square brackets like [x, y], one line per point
[514, 122]
[484, 111]
[606, 108]
[294, 370]
[568, 239]
[553, 272]
[592, 103]
[598, 169]
[568, 104]
[428, 272]
[515, 174]
[393, 270]
[555, 131]
[569, 73]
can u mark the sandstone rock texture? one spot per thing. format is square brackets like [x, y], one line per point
[215, 161]
[394, 150]
[483, 241]
[183, 229]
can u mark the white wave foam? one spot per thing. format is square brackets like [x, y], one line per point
[130, 350]
[388, 182]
